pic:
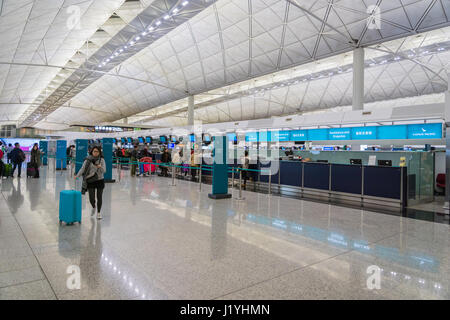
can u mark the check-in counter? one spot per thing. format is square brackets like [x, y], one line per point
[367, 185]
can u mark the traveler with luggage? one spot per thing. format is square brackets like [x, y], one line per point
[92, 171]
[35, 161]
[245, 164]
[17, 157]
[166, 158]
[134, 159]
[176, 159]
[8, 151]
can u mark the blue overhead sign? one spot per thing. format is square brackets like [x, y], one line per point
[425, 131]
[251, 137]
[411, 131]
[299, 135]
[339, 134]
[393, 132]
[364, 133]
[317, 134]
[281, 136]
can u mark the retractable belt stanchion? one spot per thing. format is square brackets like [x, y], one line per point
[232, 178]
[173, 175]
[270, 182]
[240, 186]
[200, 178]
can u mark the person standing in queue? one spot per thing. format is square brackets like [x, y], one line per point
[245, 164]
[134, 159]
[166, 158]
[92, 171]
[17, 157]
[8, 153]
[36, 159]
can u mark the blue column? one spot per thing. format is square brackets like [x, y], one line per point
[220, 169]
[108, 155]
[61, 157]
[43, 145]
[81, 153]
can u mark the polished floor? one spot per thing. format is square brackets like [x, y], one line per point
[158, 241]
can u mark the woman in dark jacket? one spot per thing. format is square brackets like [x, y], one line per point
[93, 171]
[36, 159]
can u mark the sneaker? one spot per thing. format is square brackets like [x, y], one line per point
[99, 216]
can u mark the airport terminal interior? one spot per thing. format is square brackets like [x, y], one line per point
[224, 149]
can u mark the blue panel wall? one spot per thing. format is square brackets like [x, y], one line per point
[346, 178]
[382, 182]
[316, 176]
[81, 153]
[43, 145]
[291, 173]
[61, 156]
[107, 146]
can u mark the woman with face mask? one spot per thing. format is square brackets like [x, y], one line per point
[92, 171]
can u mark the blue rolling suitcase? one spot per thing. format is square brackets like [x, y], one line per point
[70, 206]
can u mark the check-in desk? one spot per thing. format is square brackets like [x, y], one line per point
[367, 185]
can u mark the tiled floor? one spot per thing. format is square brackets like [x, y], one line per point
[162, 242]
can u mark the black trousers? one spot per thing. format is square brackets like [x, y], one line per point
[91, 190]
[19, 166]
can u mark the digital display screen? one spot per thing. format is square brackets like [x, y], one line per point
[141, 140]
[192, 137]
[130, 140]
[174, 139]
[207, 138]
[148, 140]
[162, 139]
[123, 140]
[171, 145]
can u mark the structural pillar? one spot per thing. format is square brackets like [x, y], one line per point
[358, 79]
[358, 85]
[190, 110]
[447, 148]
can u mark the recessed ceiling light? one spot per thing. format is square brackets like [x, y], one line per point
[166, 17]
[158, 23]
[185, 3]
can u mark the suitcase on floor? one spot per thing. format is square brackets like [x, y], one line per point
[7, 170]
[31, 170]
[69, 206]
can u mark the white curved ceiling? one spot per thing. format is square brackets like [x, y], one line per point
[235, 40]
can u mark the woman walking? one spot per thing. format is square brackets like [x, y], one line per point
[35, 159]
[92, 171]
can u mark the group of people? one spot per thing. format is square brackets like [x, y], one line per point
[15, 156]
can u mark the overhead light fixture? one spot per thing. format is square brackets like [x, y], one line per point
[397, 58]
[137, 38]
[144, 33]
[158, 23]
[175, 10]
[185, 3]
[151, 28]
[166, 17]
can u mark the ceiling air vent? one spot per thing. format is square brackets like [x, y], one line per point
[367, 113]
[288, 119]
[236, 123]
